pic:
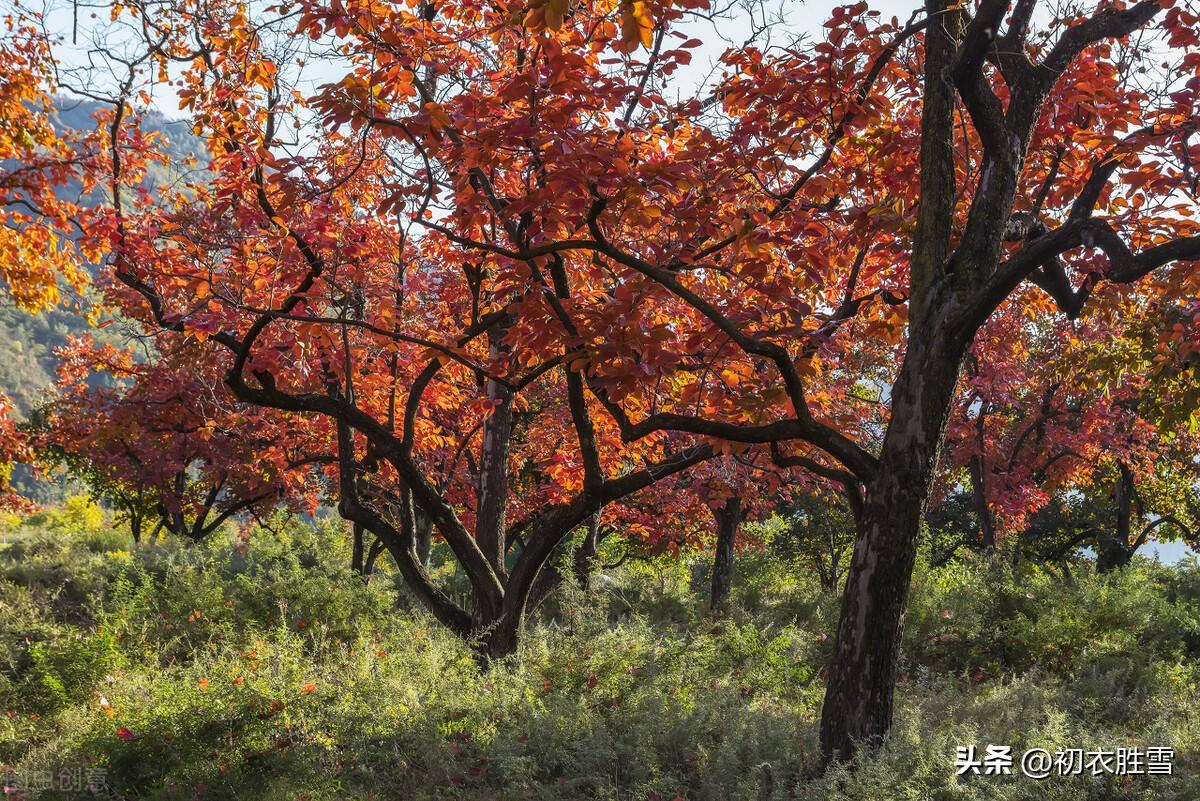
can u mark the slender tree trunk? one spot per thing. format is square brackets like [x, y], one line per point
[983, 512]
[356, 553]
[372, 555]
[728, 517]
[586, 553]
[423, 535]
[552, 575]
[1116, 550]
[830, 574]
[858, 696]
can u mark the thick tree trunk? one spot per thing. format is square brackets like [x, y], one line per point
[500, 639]
[1112, 556]
[492, 505]
[490, 524]
[858, 696]
[728, 517]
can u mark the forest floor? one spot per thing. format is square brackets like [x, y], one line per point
[257, 666]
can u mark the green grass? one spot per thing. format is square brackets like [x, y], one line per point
[258, 667]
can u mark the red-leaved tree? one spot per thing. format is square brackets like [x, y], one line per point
[167, 445]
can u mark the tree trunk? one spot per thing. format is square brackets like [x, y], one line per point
[1115, 551]
[423, 535]
[858, 696]
[1112, 556]
[830, 574]
[372, 555]
[490, 529]
[728, 517]
[499, 639]
[983, 512]
[586, 553]
[356, 553]
[490, 523]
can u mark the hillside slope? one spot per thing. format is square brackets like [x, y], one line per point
[28, 341]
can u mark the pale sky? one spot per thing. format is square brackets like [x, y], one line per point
[788, 19]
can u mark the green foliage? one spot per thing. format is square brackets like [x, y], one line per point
[257, 666]
[1115, 630]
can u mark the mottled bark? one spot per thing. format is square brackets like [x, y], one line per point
[493, 477]
[858, 697]
[423, 535]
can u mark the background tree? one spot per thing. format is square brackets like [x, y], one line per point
[818, 535]
[37, 255]
[1091, 408]
[14, 448]
[167, 446]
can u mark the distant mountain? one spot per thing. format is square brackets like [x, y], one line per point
[28, 341]
[79, 115]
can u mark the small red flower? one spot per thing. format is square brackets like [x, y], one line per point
[125, 734]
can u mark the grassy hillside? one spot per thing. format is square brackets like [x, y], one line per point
[257, 667]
